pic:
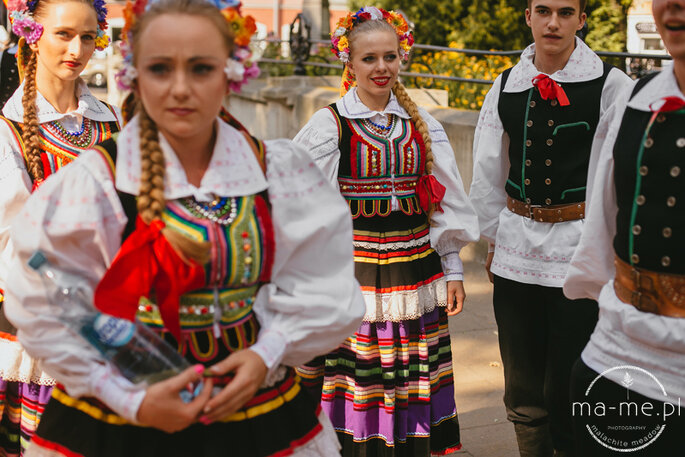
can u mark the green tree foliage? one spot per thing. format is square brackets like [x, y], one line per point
[500, 24]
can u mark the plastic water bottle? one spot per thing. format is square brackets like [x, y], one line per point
[134, 349]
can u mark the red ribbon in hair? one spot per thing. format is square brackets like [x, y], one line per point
[670, 104]
[429, 190]
[550, 90]
[147, 261]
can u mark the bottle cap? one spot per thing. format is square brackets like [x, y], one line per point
[37, 260]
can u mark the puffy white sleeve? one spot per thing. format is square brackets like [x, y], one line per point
[490, 165]
[592, 265]
[457, 225]
[76, 219]
[320, 137]
[313, 301]
[15, 188]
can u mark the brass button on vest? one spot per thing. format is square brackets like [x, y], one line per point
[548, 162]
[665, 261]
[675, 171]
[649, 143]
[680, 142]
[640, 200]
[637, 229]
[550, 142]
[635, 258]
[532, 104]
[529, 124]
[644, 170]
[527, 182]
[528, 162]
[550, 122]
[667, 232]
[529, 143]
[548, 201]
[670, 202]
[548, 181]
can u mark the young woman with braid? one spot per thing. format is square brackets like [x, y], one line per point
[236, 251]
[48, 121]
[388, 388]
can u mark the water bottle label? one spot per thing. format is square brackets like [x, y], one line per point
[112, 331]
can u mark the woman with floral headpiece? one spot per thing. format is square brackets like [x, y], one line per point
[239, 249]
[48, 121]
[389, 388]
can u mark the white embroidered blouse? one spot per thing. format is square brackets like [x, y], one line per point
[525, 250]
[624, 335]
[311, 304]
[452, 229]
[15, 188]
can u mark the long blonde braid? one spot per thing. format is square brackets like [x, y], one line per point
[31, 133]
[408, 104]
[151, 201]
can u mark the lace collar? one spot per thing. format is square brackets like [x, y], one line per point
[351, 107]
[233, 169]
[88, 106]
[583, 65]
[662, 85]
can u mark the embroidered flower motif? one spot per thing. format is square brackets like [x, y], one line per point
[28, 28]
[339, 38]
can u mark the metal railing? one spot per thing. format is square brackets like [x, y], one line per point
[300, 44]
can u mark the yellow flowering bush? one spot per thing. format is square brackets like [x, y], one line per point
[461, 95]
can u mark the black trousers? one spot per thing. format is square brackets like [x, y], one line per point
[541, 334]
[622, 429]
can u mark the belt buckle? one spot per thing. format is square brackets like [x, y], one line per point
[531, 209]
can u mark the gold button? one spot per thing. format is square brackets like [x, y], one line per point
[528, 143]
[680, 142]
[661, 118]
[548, 162]
[637, 229]
[548, 201]
[675, 171]
[527, 182]
[528, 201]
[550, 122]
[640, 200]
[635, 258]
[644, 170]
[555, 103]
[649, 143]
[548, 181]
[665, 261]
[667, 232]
[528, 162]
[550, 142]
[532, 104]
[670, 201]
[529, 124]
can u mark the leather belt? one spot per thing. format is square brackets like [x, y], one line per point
[555, 213]
[649, 291]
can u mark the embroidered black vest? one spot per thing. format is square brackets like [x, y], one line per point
[367, 162]
[549, 149]
[649, 176]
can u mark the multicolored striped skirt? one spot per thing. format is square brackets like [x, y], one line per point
[24, 392]
[388, 389]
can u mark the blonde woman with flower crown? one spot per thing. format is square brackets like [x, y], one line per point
[240, 249]
[48, 122]
[389, 388]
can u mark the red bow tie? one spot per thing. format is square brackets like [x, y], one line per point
[550, 90]
[669, 104]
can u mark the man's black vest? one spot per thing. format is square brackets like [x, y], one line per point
[549, 149]
[649, 176]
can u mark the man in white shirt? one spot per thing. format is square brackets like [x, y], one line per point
[531, 156]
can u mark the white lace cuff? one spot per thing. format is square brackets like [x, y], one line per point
[452, 266]
[270, 346]
[117, 392]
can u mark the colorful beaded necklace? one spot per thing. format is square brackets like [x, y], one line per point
[382, 130]
[81, 139]
[221, 210]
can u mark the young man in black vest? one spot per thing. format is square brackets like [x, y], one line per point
[531, 155]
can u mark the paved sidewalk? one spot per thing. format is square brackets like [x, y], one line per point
[478, 374]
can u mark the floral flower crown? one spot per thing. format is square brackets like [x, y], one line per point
[339, 38]
[24, 25]
[239, 67]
